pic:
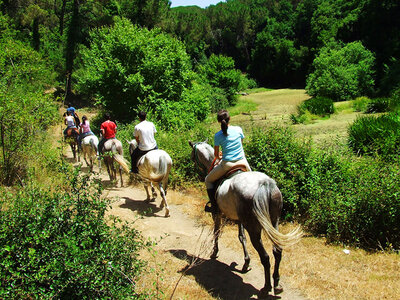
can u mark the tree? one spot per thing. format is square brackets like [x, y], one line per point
[127, 66]
[342, 72]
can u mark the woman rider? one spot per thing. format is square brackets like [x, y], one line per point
[229, 138]
[84, 130]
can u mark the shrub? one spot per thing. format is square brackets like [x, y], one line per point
[59, 245]
[360, 104]
[376, 136]
[308, 109]
[320, 106]
[378, 105]
[353, 201]
[342, 73]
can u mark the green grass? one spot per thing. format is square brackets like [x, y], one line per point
[243, 106]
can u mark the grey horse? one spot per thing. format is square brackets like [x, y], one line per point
[253, 200]
[113, 152]
[154, 167]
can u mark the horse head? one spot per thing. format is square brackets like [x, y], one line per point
[133, 144]
[203, 155]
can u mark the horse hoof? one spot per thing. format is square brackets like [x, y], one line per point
[278, 289]
[166, 214]
[152, 200]
[263, 293]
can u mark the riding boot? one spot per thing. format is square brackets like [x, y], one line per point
[211, 205]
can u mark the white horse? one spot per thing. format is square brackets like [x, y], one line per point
[113, 152]
[89, 147]
[253, 200]
[154, 167]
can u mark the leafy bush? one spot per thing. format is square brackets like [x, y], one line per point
[318, 106]
[360, 104]
[342, 73]
[378, 105]
[246, 83]
[347, 200]
[127, 67]
[59, 245]
[220, 72]
[376, 136]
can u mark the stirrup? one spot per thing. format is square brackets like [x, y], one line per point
[209, 207]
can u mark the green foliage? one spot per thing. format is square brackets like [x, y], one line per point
[378, 105]
[275, 59]
[319, 106]
[360, 104]
[60, 245]
[24, 109]
[126, 66]
[220, 72]
[378, 136]
[342, 73]
[349, 201]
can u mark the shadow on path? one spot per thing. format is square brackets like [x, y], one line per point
[217, 278]
[142, 207]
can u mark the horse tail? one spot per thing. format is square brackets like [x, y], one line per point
[261, 211]
[162, 169]
[93, 144]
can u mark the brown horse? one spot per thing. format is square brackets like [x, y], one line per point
[113, 152]
[71, 137]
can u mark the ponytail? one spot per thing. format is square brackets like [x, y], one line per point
[223, 117]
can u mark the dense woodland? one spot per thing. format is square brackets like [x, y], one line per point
[181, 64]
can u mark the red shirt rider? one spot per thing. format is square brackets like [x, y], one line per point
[108, 129]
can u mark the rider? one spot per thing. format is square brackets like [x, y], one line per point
[144, 135]
[73, 112]
[108, 129]
[84, 130]
[229, 138]
[69, 121]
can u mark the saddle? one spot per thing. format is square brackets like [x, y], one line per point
[232, 172]
[72, 133]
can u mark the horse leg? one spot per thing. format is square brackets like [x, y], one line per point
[278, 256]
[164, 199]
[243, 241]
[217, 231]
[120, 176]
[153, 192]
[255, 237]
[146, 187]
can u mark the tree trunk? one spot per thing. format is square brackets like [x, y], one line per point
[72, 41]
[35, 34]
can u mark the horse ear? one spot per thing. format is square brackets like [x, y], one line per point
[191, 143]
[206, 141]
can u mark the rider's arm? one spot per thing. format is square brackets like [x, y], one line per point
[216, 152]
